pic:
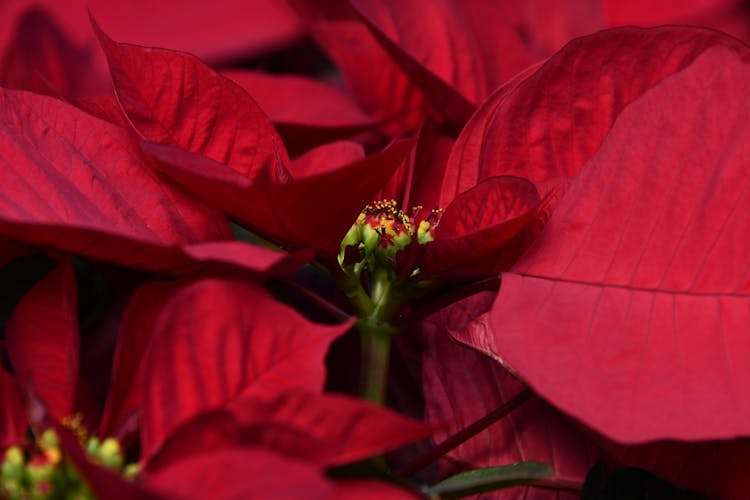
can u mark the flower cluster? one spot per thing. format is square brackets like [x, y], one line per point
[374, 249]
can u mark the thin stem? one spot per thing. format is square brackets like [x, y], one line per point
[357, 295]
[465, 434]
[375, 332]
[376, 350]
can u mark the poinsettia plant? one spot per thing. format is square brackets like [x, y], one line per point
[502, 256]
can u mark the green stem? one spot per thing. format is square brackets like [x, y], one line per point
[376, 349]
[375, 332]
[357, 295]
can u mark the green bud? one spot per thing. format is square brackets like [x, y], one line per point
[131, 471]
[14, 455]
[110, 454]
[49, 440]
[12, 469]
[92, 446]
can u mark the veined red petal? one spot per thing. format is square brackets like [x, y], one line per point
[215, 339]
[314, 211]
[462, 385]
[548, 122]
[630, 310]
[174, 99]
[323, 429]
[481, 221]
[78, 184]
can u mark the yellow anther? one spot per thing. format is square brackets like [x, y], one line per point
[74, 423]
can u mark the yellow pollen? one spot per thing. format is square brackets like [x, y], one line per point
[74, 423]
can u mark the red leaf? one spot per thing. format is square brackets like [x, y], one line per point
[216, 339]
[315, 211]
[298, 100]
[650, 14]
[79, 185]
[233, 29]
[13, 421]
[42, 340]
[237, 30]
[318, 428]
[240, 473]
[411, 41]
[43, 59]
[123, 402]
[381, 87]
[307, 113]
[417, 181]
[327, 158]
[547, 123]
[173, 99]
[630, 310]
[480, 221]
[462, 385]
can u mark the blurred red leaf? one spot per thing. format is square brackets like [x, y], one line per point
[383, 90]
[218, 32]
[136, 326]
[13, 421]
[42, 340]
[42, 58]
[299, 100]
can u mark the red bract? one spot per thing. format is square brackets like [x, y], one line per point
[42, 58]
[122, 412]
[231, 370]
[216, 119]
[629, 307]
[322, 429]
[653, 255]
[462, 385]
[43, 340]
[384, 91]
[440, 59]
[306, 112]
[80, 185]
[215, 340]
[13, 421]
[546, 124]
[172, 98]
[220, 32]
